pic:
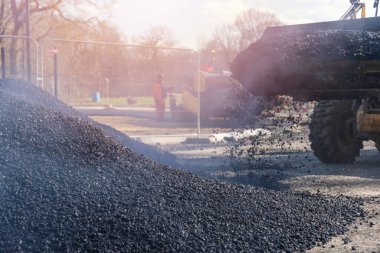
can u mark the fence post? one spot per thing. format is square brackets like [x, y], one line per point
[56, 74]
[28, 58]
[3, 63]
[198, 95]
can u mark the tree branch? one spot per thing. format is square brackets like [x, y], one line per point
[53, 6]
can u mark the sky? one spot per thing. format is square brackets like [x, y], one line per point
[194, 21]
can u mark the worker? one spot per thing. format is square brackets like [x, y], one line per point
[159, 97]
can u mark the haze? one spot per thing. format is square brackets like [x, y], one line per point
[194, 20]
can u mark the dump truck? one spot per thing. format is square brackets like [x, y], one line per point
[335, 63]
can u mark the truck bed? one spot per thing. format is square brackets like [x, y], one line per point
[312, 64]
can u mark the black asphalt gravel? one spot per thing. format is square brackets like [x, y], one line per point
[65, 186]
[31, 94]
[285, 63]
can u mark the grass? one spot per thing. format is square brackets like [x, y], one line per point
[115, 101]
[119, 101]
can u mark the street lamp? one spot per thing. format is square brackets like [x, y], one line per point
[107, 91]
[27, 31]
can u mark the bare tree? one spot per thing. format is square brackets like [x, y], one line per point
[156, 37]
[87, 65]
[227, 38]
[5, 17]
[39, 8]
[252, 23]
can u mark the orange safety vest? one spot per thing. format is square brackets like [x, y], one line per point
[158, 93]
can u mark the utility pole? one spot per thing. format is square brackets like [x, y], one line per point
[55, 63]
[108, 91]
[27, 28]
[3, 74]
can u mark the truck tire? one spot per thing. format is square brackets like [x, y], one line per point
[377, 145]
[331, 135]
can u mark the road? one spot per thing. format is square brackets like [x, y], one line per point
[144, 112]
[141, 122]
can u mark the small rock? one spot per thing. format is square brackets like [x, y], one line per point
[346, 240]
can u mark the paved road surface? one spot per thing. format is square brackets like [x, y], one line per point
[144, 112]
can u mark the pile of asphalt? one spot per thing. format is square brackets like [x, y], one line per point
[35, 96]
[65, 186]
[284, 63]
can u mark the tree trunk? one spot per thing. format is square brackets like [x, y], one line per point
[13, 58]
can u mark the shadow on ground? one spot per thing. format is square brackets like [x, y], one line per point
[280, 171]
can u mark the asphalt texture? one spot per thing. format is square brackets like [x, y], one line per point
[286, 63]
[66, 186]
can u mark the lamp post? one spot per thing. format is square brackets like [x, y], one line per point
[55, 62]
[108, 91]
[27, 31]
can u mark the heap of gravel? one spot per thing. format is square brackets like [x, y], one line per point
[285, 62]
[66, 186]
[33, 95]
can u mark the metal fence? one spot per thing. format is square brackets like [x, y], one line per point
[114, 70]
[75, 71]
[14, 61]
